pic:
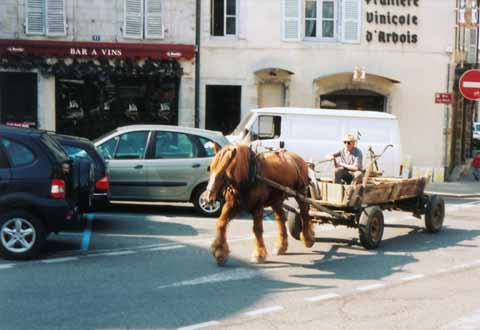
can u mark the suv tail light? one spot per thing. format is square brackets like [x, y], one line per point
[102, 184]
[58, 188]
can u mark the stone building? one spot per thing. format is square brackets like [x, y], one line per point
[380, 55]
[85, 67]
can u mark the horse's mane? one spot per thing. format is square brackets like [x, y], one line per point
[234, 161]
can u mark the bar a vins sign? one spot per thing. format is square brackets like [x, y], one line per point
[110, 52]
[443, 98]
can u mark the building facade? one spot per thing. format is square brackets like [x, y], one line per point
[85, 67]
[380, 55]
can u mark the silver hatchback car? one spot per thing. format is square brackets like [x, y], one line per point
[160, 163]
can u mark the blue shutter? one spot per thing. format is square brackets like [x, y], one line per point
[56, 24]
[35, 17]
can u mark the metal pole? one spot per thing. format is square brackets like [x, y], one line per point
[197, 62]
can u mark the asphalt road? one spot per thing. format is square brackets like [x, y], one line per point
[149, 267]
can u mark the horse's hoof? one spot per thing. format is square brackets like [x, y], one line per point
[221, 261]
[308, 242]
[280, 251]
[258, 259]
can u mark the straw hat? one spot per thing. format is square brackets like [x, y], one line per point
[349, 138]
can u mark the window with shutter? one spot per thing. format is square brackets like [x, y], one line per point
[153, 19]
[351, 21]
[55, 17]
[133, 19]
[291, 20]
[35, 17]
[320, 19]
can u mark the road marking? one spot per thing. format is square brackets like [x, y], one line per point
[322, 297]
[118, 253]
[412, 277]
[370, 287]
[465, 323]
[230, 275]
[164, 248]
[87, 234]
[58, 260]
[7, 266]
[264, 311]
[200, 325]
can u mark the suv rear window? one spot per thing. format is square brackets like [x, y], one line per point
[54, 148]
[18, 153]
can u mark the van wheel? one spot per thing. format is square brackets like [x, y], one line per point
[202, 206]
[22, 235]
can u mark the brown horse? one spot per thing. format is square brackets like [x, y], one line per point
[234, 169]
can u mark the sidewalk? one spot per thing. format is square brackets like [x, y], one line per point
[467, 187]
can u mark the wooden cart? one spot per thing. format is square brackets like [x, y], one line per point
[361, 206]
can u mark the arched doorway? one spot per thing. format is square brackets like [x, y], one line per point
[355, 99]
[272, 87]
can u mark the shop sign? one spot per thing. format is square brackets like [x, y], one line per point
[469, 84]
[95, 49]
[444, 98]
[390, 22]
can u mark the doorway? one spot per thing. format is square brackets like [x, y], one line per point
[271, 95]
[223, 107]
[353, 99]
[18, 99]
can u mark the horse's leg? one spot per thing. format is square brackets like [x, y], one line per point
[282, 241]
[260, 253]
[308, 234]
[219, 246]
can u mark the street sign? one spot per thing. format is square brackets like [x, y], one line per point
[469, 84]
[445, 98]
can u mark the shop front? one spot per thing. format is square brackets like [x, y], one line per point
[96, 86]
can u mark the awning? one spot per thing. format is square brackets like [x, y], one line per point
[95, 49]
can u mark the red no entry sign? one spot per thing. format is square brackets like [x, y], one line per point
[470, 84]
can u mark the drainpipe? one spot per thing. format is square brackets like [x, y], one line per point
[197, 62]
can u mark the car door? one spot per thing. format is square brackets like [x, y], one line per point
[5, 173]
[177, 163]
[124, 155]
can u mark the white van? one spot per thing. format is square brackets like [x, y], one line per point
[315, 133]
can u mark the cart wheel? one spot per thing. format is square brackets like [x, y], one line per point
[371, 227]
[434, 214]
[294, 223]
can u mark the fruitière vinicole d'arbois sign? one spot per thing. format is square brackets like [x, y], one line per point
[391, 21]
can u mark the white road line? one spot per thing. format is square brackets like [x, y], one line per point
[229, 275]
[370, 287]
[164, 248]
[266, 310]
[7, 266]
[58, 260]
[200, 325]
[412, 277]
[322, 297]
[119, 253]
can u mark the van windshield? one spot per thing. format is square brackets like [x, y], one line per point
[476, 127]
[241, 126]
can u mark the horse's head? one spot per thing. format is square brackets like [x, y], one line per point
[229, 166]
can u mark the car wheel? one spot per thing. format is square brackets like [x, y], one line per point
[22, 235]
[202, 206]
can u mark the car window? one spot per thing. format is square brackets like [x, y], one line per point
[76, 152]
[208, 146]
[19, 154]
[174, 145]
[107, 149]
[131, 145]
[55, 149]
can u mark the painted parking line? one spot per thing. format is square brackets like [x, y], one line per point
[200, 325]
[263, 311]
[6, 266]
[58, 260]
[322, 297]
[370, 287]
[87, 233]
[165, 248]
[412, 277]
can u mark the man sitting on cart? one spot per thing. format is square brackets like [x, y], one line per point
[349, 168]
